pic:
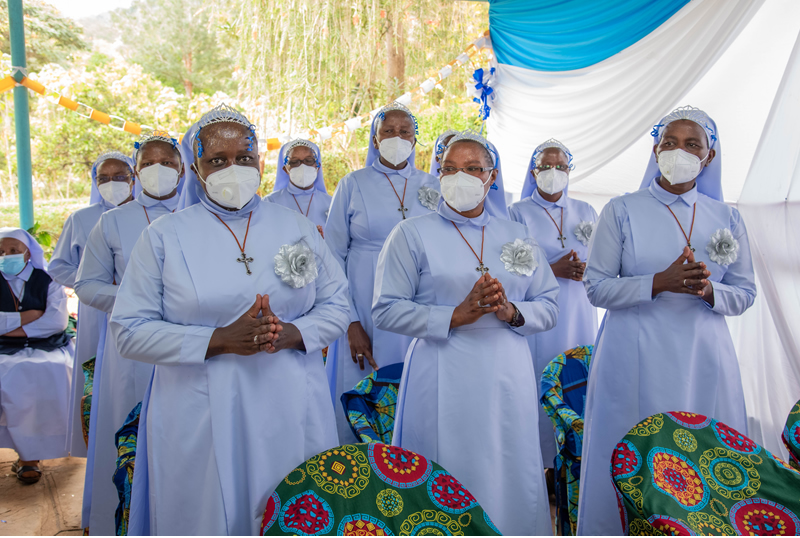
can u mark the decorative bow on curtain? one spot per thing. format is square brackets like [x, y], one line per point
[482, 91]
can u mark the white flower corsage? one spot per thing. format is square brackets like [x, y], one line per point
[583, 231]
[519, 258]
[723, 248]
[428, 197]
[296, 265]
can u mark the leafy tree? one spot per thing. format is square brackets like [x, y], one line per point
[49, 36]
[176, 41]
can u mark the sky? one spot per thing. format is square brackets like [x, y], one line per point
[78, 9]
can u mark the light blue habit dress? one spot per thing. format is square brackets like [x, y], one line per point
[577, 318]
[314, 203]
[216, 436]
[468, 399]
[63, 267]
[364, 210]
[669, 353]
[120, 383]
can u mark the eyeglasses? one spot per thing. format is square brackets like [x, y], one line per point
[310, 161]
[103, 179]
[471, 170]
[561, 167]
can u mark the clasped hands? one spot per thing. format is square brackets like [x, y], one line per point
[486, 297]
[258, 329]
[569, 267]
[685, 275]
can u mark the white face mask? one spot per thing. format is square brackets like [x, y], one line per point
[158, 180]
[463, 191]
[679, 166]
[232, 187]
[395, 150]
[551, 180]
[115, 192]
[303, 176]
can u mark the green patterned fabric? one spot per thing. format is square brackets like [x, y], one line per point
[373, 490]
[791, 436]
[370, 406]
[686, 474]
[86, 401]
[563, 399]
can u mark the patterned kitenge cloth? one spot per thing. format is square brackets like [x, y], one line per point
[86, 400]
[563, 398]
[370, 406]
[125, 440]
[791, 436]
[686, 474]
[373, 489]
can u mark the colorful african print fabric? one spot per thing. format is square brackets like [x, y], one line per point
[370, 406]
[563, 398]
[686, 474]
[86, 400]
[125, 440]
[791, 436]
[373, 489]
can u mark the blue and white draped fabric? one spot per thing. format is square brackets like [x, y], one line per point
[709, 182]
[119, 384]
[657, 354]
[94, 196]
[530, 180]
[555, 57]
[455, 404]
[282, 177]
[373, 154]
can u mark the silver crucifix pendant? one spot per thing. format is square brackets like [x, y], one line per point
[246, 261]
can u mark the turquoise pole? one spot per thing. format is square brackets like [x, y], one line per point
[21, 119]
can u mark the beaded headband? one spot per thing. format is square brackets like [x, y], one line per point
[223, 114]
[402, 108]
[117, 155]
[298, 142]
[154, 136]
[440, 145]
[475, 137]
[687, 113]
[552, 143]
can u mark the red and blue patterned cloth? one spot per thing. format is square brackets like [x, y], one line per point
[791, 436]
[373, 490]
[683, 474]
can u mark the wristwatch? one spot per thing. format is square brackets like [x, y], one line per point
[517, 320]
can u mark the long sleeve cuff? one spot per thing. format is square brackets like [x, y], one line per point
[439, 319]
[353, 313]
[310, 334]
[195, 344]
[10, 321]
[646, 290]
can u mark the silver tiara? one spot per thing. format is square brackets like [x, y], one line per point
[402, 108]
[118, 155]
[475, 137]
[440, 145]
[154, 136]
[687, 113]
[224, 114]
[553, 143]
[297, 142]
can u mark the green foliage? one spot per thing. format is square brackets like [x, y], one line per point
[41, 236]
[49, 36]
[175, 41]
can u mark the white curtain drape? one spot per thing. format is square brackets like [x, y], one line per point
[600, 110]
[768, 335]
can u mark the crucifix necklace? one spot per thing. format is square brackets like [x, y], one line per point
[298, 204]
[559, 228]
[402, 200]
[482, 269]
[243, 258]
[691, 228]
[148, 216]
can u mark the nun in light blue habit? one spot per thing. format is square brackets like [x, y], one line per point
[367, 205]
[299, 184]
[562, 226]
[63, 267]
[469, 285]
[668, 263]
[233, 301]
[119, 384]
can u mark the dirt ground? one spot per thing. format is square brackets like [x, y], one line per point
[51, 507]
